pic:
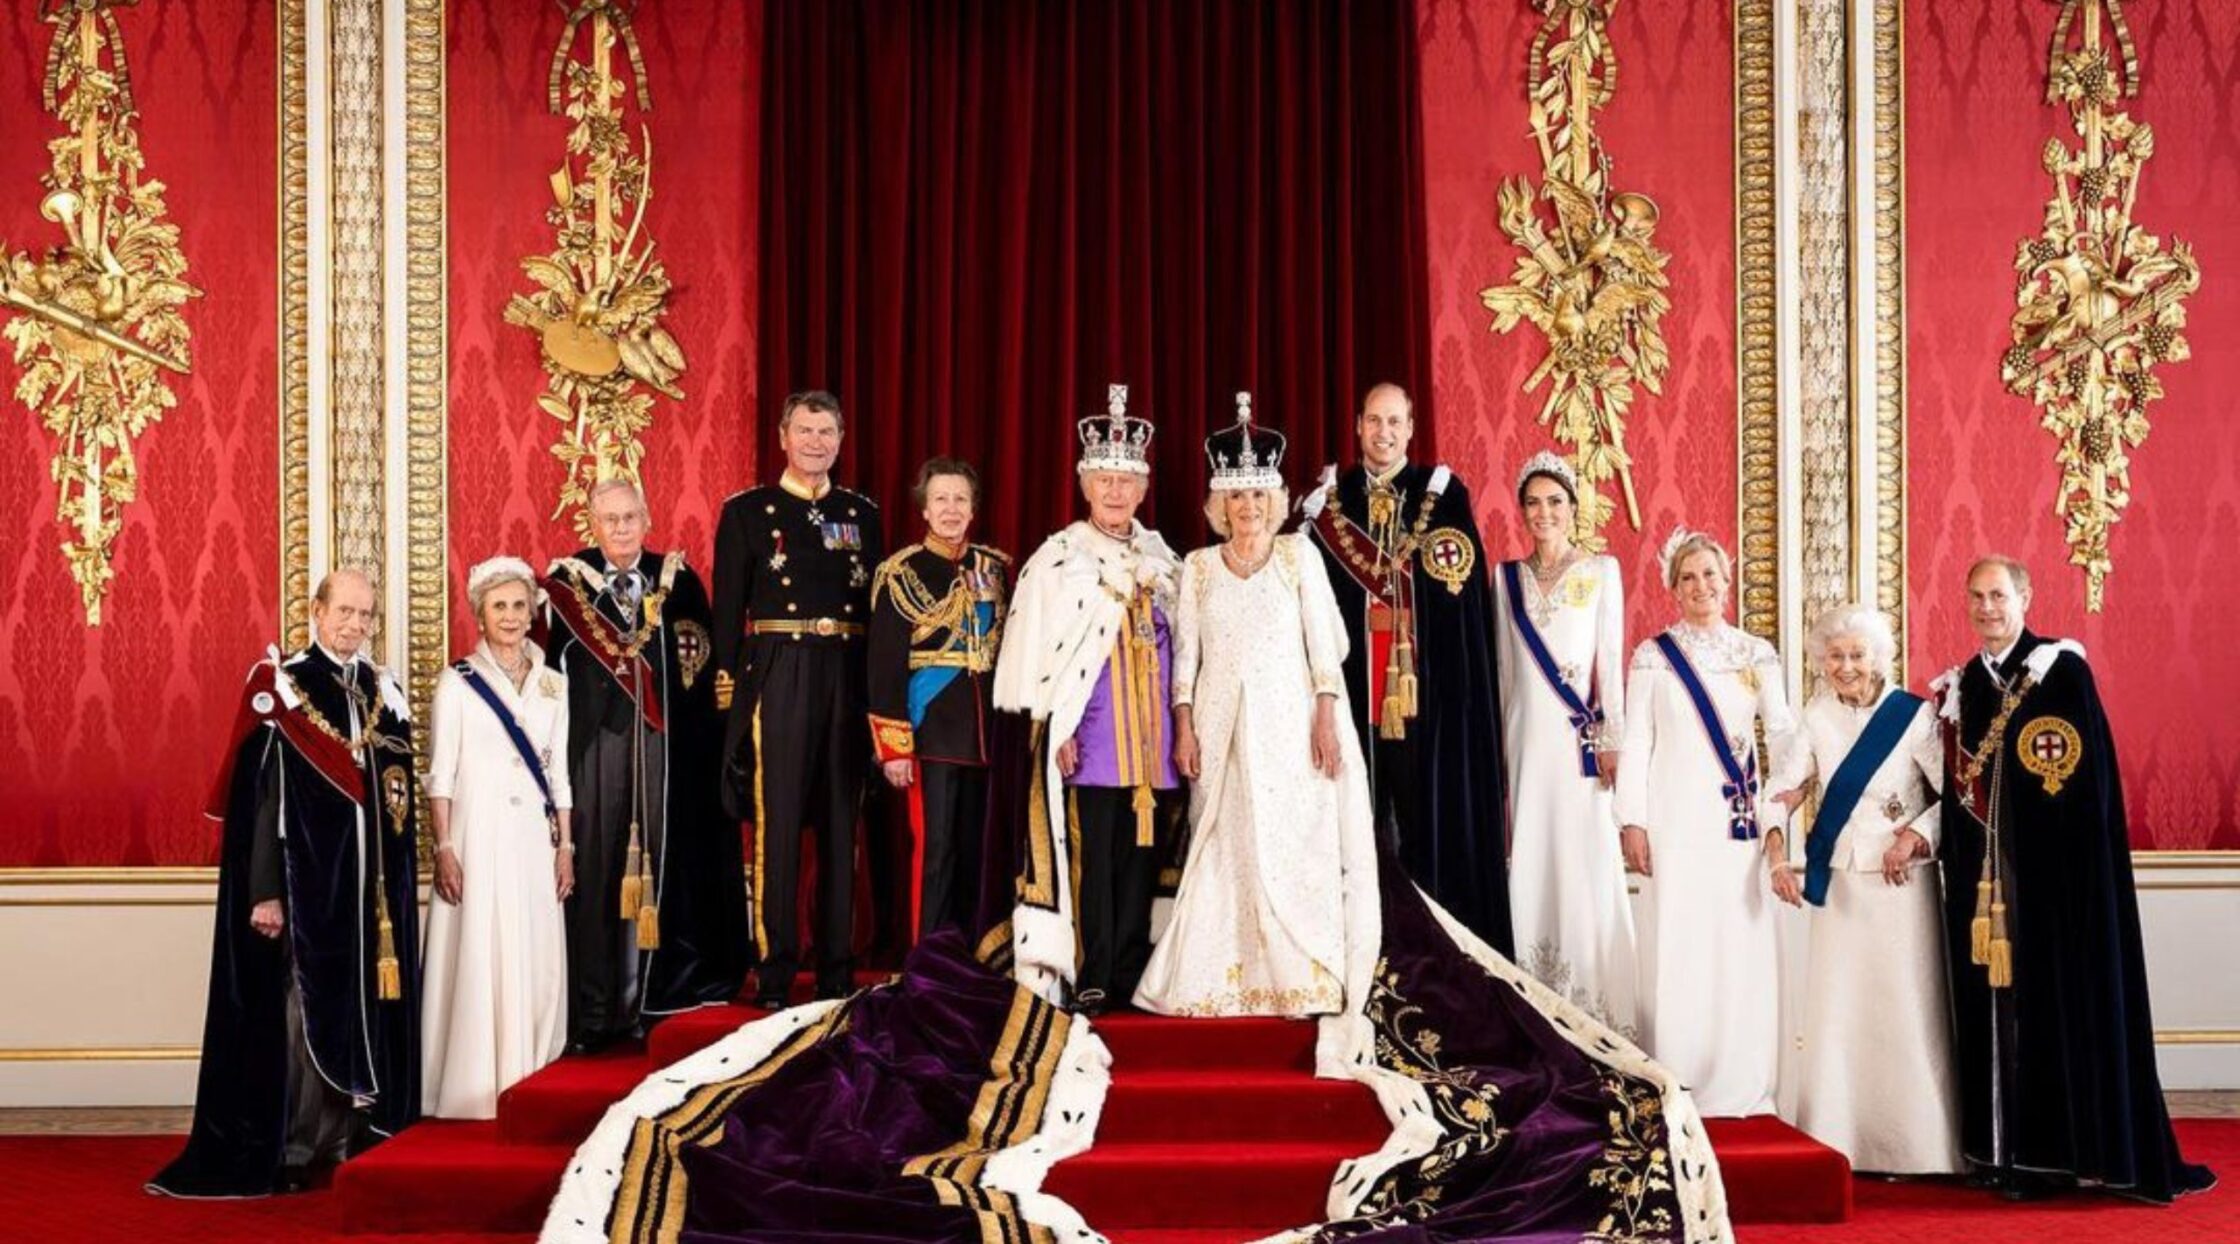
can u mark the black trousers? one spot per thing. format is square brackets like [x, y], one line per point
[812, 750]
[1118, 881]
[605, 966]
[954, 802]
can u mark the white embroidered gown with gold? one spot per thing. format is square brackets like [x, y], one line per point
[494, 993]
[1263, 922]
[1567, 877]
[1710, 970]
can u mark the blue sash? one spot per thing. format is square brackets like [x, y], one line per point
[1585, 716]
[1876, 742]
[489, 694]
[1741, 786]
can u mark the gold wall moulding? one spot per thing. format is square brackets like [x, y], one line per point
[98, 318]
[600, 292]
[2099, 301]
[97, 1054]
[1588, 275]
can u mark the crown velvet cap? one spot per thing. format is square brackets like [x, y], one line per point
[1245, 455]
[1115, 440]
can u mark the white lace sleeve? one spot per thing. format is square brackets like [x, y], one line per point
[1185, 680]
[1632, 794]
[1318, 614]
[1610, 651]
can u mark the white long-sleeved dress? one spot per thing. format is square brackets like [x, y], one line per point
[1875, 1071]
[1264, 919]
[494, 998]
[1567, 878]
[1710, 971]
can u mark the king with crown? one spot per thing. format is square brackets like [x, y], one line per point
[1087, 655]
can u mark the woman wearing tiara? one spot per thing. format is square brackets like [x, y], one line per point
[1687, 796]
[1562, 678]
[495, 998]
[1279, 797]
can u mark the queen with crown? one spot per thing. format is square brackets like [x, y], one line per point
[1561, 665]
[1280, 812]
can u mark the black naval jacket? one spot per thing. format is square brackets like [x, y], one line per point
[290, 798]
[923, 606]
[788, 560]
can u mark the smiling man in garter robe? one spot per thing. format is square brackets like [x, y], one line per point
[311, 1044]
[657, 923]
[2054, 1041]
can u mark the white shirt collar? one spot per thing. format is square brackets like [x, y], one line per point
[342, 662]
[1993, 660]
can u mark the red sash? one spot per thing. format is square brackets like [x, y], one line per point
[261, 705]
[604, 641]
[1377, 576]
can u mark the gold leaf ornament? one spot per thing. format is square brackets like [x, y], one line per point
[600, 292]
[97, 319]
[1588, 275]
[2099, 301]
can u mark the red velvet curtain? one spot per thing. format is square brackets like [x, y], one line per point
[975, 215]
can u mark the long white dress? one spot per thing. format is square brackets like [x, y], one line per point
[494, 1000]
[1263, 921]
[1710, 971]
[1875, 1071]
[1567, 877]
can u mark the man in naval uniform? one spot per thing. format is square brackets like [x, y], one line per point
[1401, 544]
[793, 596]
[2055, 1044]
[1087, 655]
[311, 1042]
[936, 622]
[657, 922]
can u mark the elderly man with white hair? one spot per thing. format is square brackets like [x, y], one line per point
[496, 994]
[1876, 1070]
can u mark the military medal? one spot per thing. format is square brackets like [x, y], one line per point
[816, 516]
[778, 559]
[856, 574]
[1894, 808]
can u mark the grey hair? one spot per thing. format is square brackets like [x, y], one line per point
[614, 483]
[1864, 621]
[496, 573]
[1217, 507]
[2017, 573]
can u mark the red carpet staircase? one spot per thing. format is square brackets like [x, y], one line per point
[1189, 1097]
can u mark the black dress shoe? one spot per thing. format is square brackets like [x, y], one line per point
[771, 1001]
[294, 1179]
[1089, 1003]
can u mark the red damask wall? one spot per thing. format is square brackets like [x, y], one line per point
[702, 59]
[1670, 135]
[1980, 472]
[108, 737]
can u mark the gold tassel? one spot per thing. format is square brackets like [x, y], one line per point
[1979, 929]
[2001, 959]
[1404, 657]
[1144, 835]
[633, 881]
[1390, 725]
[649, 927]
[388, 975]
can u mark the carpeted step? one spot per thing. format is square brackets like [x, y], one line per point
[1191, 1235]
[1140, 1041]
[445, 1175]
[693, 1031]
[1240, 1105]
[560, 1104]
[1775, 1173]
[1148, 1184]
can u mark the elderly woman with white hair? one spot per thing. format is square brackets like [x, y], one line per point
[495, 997]
[1687, 799]
[1876, 1065]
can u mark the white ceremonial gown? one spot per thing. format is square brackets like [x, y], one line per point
[1710, 970]
[1875, 1069]
[1260, 924]
[494, 1000]
[1567, 876]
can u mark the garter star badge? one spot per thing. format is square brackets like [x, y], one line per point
[693, 649]
[1448, 557]
[2050, 749]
